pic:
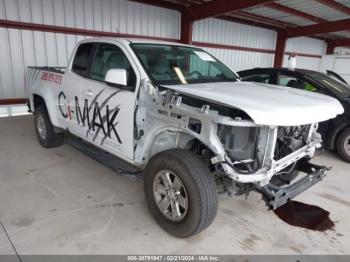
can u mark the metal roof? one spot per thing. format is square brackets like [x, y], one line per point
[279, 15]
[344, 2]
[315, 8]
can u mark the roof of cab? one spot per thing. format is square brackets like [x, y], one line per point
[133, 40]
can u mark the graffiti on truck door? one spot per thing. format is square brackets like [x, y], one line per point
[94, 116]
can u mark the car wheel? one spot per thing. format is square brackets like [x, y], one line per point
[180, 192]
[343, 145]
[45, 130]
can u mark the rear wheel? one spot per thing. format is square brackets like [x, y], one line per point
[343, 145]
[180, 192]
[45, 130]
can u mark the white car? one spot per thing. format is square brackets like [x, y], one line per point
[185, 120]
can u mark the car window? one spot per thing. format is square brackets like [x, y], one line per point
[336, 87]
[291, 81]
[260, 78]
[108, 57]
[181, 65]
[81, 64]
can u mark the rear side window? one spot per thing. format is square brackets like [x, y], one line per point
[291, 81]
[81, 62]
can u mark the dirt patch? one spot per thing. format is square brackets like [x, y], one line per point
[23, 222]
[249, 243]
[295, 249]
[115, 204]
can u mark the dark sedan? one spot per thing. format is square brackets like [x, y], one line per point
[335, 132]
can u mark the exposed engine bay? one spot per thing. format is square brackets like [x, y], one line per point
[290, 139]
[241, 143]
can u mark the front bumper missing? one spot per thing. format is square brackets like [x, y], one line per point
[275, 197]
[263, 176]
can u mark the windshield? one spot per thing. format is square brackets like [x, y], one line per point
[176, 65]
[335, 86]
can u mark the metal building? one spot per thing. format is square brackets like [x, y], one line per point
[244, 34]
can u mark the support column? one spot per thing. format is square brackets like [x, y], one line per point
[186, 28]
[330, 48]
[280, 49]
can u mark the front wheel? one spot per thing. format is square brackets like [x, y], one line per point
[343, 145]
[180, 192]
[45, 130]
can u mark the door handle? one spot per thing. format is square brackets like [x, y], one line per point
[88, 93]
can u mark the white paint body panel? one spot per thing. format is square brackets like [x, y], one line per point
[125, 102]
[267, 104]
[116, 76]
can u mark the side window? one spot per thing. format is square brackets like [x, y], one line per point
[294, 82]
[81, 62]
[284, 80]
[108, 57]
[262, 78]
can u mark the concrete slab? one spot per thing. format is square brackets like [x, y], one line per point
[5, 244]
[59, 201]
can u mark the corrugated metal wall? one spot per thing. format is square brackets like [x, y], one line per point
[240, 60]
[229, 33]
[308, 46]
[224, 32]
[20, 48]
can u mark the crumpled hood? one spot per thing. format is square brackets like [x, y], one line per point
[267, 104]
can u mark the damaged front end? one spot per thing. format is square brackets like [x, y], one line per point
[275, 196]
[258, 156]
[244, 156]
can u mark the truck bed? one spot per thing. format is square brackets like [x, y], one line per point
[41, 79]
[35, 74]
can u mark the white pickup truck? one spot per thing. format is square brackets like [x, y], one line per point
[185, 120]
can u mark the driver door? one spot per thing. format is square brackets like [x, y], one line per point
[111, 109]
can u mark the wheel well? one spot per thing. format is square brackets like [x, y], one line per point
[38, 101]
[168, 140]
[197, 147]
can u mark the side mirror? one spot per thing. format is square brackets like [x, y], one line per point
[116, 77]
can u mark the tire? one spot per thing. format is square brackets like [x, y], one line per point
[45, 130]
[343, 145]
[198, 188]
